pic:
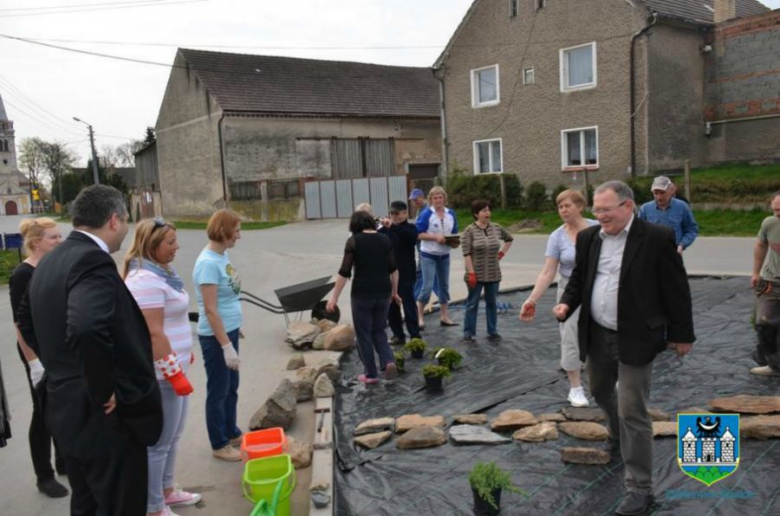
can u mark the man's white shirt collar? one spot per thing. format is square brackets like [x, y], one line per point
[97, 239]
[625, 230]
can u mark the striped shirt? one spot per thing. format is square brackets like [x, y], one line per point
[151, 291]
[483, 246]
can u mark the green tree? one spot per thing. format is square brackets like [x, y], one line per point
[58, 160]
[72, 184]
[150, 136]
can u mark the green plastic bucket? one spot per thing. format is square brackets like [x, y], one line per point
[261, 477]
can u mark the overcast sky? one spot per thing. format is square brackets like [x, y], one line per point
[43, 88]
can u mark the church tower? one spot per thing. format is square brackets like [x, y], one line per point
[14, 191]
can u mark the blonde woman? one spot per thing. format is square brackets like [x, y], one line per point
[159, 292]
[40, 236]
[433, 225]
[559, 258]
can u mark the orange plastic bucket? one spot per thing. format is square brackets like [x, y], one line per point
[263, 443]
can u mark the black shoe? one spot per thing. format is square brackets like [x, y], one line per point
[395, 341]
[445, 323]
[467, 339]
[635, 503]
[51, 488]
[495, 337]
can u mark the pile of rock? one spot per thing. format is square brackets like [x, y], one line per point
[322, 335]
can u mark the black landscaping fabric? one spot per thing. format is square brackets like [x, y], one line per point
[522, 372]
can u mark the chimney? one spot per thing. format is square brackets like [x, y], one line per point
[725, 10]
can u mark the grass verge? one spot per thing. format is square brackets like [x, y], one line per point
[245, 226]
[8, 262]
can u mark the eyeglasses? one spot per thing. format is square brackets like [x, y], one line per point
[159, 222]
[606, 211]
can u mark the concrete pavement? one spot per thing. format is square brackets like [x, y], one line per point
[266, 260]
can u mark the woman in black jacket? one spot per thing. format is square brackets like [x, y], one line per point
[374, 287]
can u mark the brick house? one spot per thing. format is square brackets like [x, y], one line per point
[246, 130]
[546, 88]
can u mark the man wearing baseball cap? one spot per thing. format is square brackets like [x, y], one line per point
[669, 211]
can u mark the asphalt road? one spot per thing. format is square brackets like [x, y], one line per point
[266, 260]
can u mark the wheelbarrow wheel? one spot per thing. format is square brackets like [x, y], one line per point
[320, 312]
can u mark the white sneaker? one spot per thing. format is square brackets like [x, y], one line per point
[168, 512]
[577, 397]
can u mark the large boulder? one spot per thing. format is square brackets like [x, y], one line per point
[375, 425]
[545, 431]
[510, 420]
[422, 437]
[471, 434]
[371, 441]
[278, 410]
[300, 452]
[300, 335]
[745, 404]
[409, 421]
[584, 430]
[340, 338]
[323, 387]
[577, 455]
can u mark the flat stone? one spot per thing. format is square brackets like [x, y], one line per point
[326, 325]
[303, 383]
[586, 430]
[694, 410]
[319, 499]
[330, 367]
[422, 437]
[513, 420]
[664, 429]
[296, 362]
[760, 427]
[300, 335]
[581, 455]
[744, 404]
[300, 452]
[374, 425]
[319, 485]
[558, 418]
[323, 387]
[409, 421]
[657, 414]
[470, 419]
[546, 431]
[371, 441]
[340, 338]
[583, 414]
[470, 434]
[319, 341]
[278, 410]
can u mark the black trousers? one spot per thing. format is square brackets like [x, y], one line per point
[394, 318]
[40, 438]
[107, 467]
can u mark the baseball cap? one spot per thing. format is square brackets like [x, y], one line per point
[415, 194]
[661, 183]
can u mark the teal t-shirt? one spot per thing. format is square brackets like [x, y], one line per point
[215, 269]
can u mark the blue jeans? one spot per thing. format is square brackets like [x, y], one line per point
[162, 456]
[369, 315]
[472, 307]
[433, 269]
[418, 282]
[221, 391]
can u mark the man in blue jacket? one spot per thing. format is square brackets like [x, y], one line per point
[669, 211]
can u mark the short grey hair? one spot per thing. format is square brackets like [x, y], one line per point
[95, 205]
[623, 191]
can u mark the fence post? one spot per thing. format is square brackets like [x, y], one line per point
[503, 191]
[687, 180]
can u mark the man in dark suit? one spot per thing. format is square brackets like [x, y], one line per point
[633, 289]
[102, 399]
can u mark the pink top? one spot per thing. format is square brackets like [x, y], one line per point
[151, 291]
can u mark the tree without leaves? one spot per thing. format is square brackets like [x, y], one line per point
[31, 158]
[126, 152]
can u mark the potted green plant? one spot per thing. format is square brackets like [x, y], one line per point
[447, 357]
[416, 347]
[400, 361]
[434, 374]
[487, 481]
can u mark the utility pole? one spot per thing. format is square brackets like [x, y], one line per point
[94, 154]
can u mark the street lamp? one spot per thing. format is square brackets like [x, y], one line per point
[94, 154]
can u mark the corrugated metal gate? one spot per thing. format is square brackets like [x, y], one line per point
[337, 198]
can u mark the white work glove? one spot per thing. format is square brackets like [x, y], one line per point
[231, 357]
[36, 371]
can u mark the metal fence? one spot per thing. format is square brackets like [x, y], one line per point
[337, 198]
[265, 190]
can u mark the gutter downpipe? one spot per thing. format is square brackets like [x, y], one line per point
[222, 159]
[443, 122]
[633, 92]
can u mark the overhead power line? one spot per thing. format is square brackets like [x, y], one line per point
[98, 9]
[58, 7]
[260, 47]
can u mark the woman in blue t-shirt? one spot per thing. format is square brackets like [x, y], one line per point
[218, 287]
[559, 257]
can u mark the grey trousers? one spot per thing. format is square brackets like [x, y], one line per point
[625, 407]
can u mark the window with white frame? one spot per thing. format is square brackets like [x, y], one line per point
[484, 86]
[487, 156]
[580, 147]
[578, 67]
[513, 8]
[528, 76]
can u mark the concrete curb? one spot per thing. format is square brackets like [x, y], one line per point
[322, 460]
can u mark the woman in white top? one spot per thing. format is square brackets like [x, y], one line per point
[160, 294]
[560, 257]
